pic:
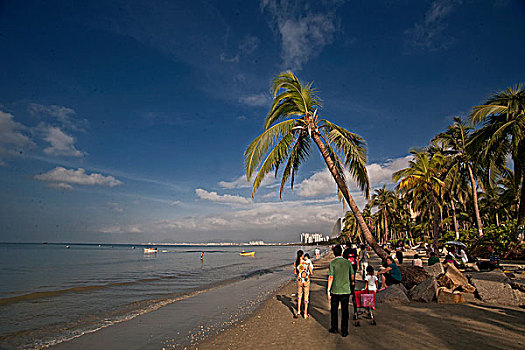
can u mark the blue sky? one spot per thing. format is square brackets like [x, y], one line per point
[126, 121]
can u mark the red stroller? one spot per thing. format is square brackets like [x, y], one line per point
[365, 300]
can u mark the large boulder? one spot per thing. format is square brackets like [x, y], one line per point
[413, 275]
[435, 270]
[392, 295]
[425, 291]
[518, 282]
[494, 287]
[453, 279]
[448, 296]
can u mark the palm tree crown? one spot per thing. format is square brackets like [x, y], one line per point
[291, 137]
[503, 131]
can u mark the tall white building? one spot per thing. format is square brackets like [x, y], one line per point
[313, 238]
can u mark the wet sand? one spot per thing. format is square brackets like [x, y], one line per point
[186, 321]
[416, 326]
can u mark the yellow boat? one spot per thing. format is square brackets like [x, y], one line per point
[247, 253]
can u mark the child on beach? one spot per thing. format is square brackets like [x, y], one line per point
[371, 279]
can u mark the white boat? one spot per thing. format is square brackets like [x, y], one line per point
[150, 250]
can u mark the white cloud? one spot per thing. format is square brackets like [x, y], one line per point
[115, 207]
[277, 220]
[242, 182]
[63, 178]
[381, 174]
[61, 144]
[61, 186]
[65, 116]
[121, 229]
[256, 100]
[304, 38]
[303, 32]
[322, 182]
[428, 34]
[175, 203]
[12, 139]
[246, 47]
[226, 198]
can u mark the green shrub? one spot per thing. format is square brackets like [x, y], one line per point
[502, 238]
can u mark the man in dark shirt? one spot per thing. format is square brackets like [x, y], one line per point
[493, 262]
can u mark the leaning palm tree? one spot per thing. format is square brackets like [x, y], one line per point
[503, 118]
[290, 126]
[422, 179]
[454, 142]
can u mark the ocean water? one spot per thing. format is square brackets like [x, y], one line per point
[49, 294]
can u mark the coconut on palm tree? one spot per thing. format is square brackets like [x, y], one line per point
[503, 130]
[290, 127]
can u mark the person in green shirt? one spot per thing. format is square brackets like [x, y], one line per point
[340, 280]
[433, 259]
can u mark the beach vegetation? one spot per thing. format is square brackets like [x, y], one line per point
[467, 184]
[502, 133]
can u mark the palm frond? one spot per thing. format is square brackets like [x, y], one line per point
[290, 98]
[480, 113]
[276, 156]
[353, 148]
[298, 154]
[259, 147]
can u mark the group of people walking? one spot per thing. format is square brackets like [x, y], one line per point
[341, 281]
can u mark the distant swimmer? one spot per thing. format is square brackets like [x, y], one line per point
[202, 256]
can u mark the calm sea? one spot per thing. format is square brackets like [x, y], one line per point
[49, 293]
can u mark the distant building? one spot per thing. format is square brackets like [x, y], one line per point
[338, 227]
[308, 238]
[256, 243]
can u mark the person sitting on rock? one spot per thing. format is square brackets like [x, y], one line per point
[417, 261]
[390, 275]
[449, 259]
[493, 262]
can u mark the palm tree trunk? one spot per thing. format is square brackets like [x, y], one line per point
[344, 189]
[455, 219]
[386, 226]
[435, 222]
[475, 200]
[521, 210]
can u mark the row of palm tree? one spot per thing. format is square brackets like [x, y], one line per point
[441, 180]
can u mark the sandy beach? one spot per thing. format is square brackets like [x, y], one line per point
[266, 322]
[417, 325]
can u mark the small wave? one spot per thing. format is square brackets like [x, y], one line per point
[82, 289]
